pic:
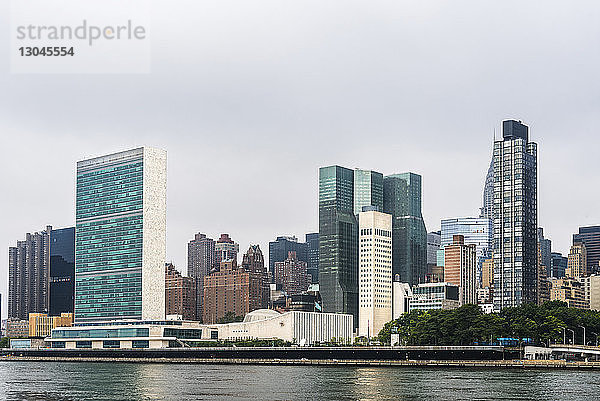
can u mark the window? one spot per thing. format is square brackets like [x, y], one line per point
[140, 344]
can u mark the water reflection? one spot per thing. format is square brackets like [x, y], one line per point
[119, 381]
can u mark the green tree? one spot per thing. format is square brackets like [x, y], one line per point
[468, 325]
[230, 317]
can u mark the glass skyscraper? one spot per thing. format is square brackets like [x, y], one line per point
[62, 271]
[402, 199]
[120, 236]
[476, 231]
[559, 264]
[312, 268]
[488, 194]
[338, 241]
[343, 193]
[545, 250]
[515, 217]
[368, 190]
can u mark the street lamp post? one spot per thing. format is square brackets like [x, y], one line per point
[521, 348]
[583, 327]
[573, 333]
[564, 336]
[596, 337]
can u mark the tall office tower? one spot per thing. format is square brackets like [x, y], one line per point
[62, 271]
[312, 240]
[291, 275]
[121, 236]
[280, 249]
[487, 273]
[459, 268]
[515, 217]
[487, 211]
[180, 294]
[485, 293]
[28, 275]
[434, 273]
[559, 264]
[225, 249]
[433, 245]
[253, 262]
[476, 231]
[577, 261]
[375, 271]
[545, 250]
[201, 260]
[543, 285]
[590, 237]
[402, 199]
[368, 190]
[338, 241]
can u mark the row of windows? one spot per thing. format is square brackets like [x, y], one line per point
[114, 198]
[109, 295]
[378, 231]
[107, 175]
[109, 244]
[111, 169]
[109, 191]
[101, 333]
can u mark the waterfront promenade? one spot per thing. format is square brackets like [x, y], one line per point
[408, 356]
[276, 353]
[482, 364]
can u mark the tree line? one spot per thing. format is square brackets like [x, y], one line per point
[468, 325]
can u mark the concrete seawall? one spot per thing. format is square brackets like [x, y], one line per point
[276, 354]
[466, 364]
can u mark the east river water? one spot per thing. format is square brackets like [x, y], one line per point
[130, 381]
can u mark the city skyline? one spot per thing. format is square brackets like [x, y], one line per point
[409, 86]
[181, 264]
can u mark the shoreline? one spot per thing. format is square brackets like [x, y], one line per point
[492, 364]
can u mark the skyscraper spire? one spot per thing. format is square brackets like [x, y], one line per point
[488, 193]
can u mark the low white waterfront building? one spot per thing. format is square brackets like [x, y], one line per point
[263, 324]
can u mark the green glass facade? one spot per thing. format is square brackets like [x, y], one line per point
[338, 241]
[342, 195]
[109, 238]
[368, 190]
[402, 199]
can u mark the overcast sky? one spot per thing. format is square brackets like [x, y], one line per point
[249, 98]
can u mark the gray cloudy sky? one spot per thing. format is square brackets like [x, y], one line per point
[249, 98]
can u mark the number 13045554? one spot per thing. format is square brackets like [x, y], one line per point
[55, 51]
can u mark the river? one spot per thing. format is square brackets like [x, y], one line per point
[130, 381]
